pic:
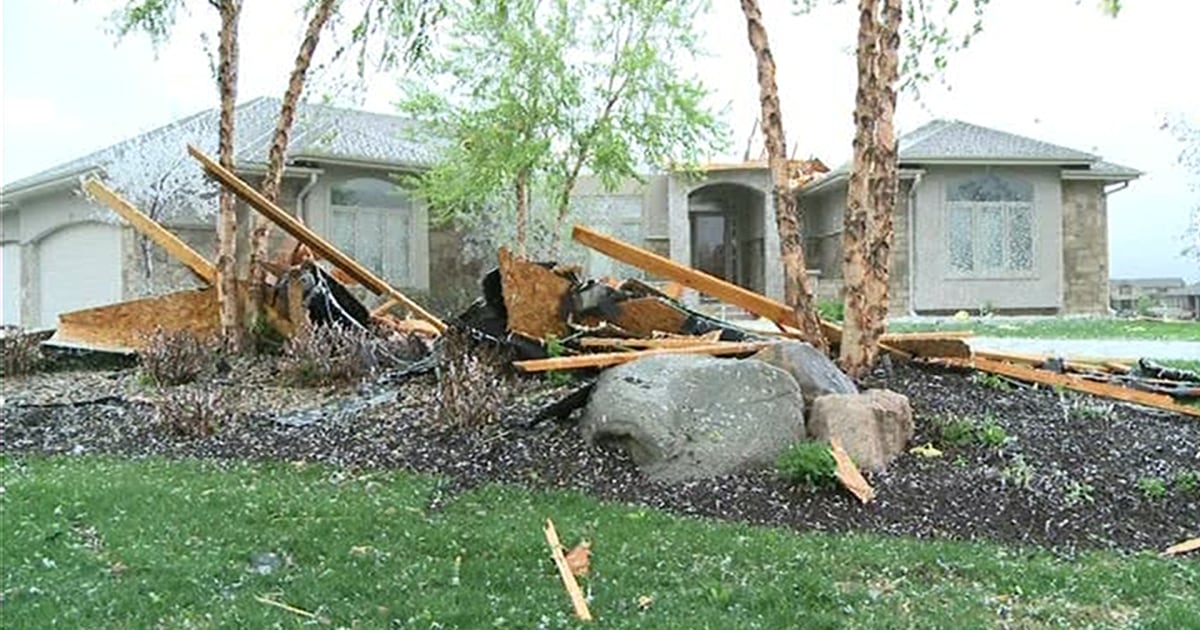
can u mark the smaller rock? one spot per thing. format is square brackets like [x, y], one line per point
[873, 426]
[265, 562]
[815, 372]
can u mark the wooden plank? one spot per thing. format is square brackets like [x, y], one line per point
[924, 336]
[656, 265]
[1183, 547]
[848, 473]
[1037, 360]
[932, 347]
[578, 602]
[1069, 381]
[608, 359]
[175, 246]
[669, 342]
[642, 317]
[123, 327]
[382, 309]
[311, 239]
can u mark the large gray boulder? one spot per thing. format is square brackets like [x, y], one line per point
[687, 417]
[812, 369]
[873, 426]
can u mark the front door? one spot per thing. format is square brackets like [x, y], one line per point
[714, 245]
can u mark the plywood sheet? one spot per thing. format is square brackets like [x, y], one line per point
[643, 317]
[533, 297]
[124, 326]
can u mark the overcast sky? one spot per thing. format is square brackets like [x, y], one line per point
[1055, 70]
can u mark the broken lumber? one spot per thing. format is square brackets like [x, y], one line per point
[642, 316]
[154, 231]
[1183, 547]
[1069, 381]
[848, 473]
[564, 571]
[124, 326]
[641, 344]
[311, 239]
[382, 309]
[608, 359]
[533, 297]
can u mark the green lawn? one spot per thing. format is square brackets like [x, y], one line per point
[1063, 328]
[101, 543]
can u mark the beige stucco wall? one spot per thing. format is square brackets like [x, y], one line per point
[1085, 248]
[938, 289]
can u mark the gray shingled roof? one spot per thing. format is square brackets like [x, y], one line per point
[957, 141]
[320, 132]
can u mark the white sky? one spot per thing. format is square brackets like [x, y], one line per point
[1055, 70]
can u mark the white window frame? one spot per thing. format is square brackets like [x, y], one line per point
[395, 268]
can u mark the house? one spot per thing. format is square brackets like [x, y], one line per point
[63, 252]
[1160, 296]
[984, 218]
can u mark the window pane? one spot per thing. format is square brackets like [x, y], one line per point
[991, 237]
[1020, 237]
[371, 240]
[990, 188]
[961, 259]
[368, 193]
[343, 231]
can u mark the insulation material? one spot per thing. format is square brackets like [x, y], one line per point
[533, 297]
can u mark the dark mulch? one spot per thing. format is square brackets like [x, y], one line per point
[1082, 460]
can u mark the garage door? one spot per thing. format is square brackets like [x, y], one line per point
[10, 279]
[78, 266]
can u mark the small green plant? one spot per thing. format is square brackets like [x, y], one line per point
[990, 433]
[1078, 493]
[555, 348]
[1187, 480]
[955, 431]
[1018, 473]
[993, 381]
[808, 463]
[1152, 488]
[265, 338]
[1088, 412]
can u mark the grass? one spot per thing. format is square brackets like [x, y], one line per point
[104, 543]
[1063, 328]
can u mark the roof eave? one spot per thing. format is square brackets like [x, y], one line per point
[841, 176]
[361, 163]
[1113, 178]
[997, 161]
[51, 185]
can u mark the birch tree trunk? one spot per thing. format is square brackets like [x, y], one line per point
[227, 291]
[871, 201]
[797, 292]
[522, 193]
[275, 161]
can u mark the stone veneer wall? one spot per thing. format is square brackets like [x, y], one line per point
[1085, 248]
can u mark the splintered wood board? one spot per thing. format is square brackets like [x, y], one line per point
[643, 317]
[123, 327]
[533, 297]
[930, 346]
[609, 359]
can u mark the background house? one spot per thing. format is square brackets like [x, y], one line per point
[1171, 297]
[63, 252]
[984, 220]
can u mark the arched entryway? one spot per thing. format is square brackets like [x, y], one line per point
[727, 233]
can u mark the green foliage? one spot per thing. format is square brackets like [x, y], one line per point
[570, 87]
[1152, 488]
[956, 431]
[808, 463]
[1018, 473]
[831, 310]
[265, 338]
[992, 381]
[1145, 305]
[555, 348]
[1187, 480]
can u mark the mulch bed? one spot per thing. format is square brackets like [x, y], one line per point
[1080, 490]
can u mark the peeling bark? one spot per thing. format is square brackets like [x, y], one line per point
[283, 127]
[871, 199]
[522, 193]
[797, 292]
[227, 294]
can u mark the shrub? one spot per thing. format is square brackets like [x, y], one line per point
[808, 463]
[22, 353]
[175, 357]
[1152, 488]
[1187, 480]
[956, 431]
[1078, 492]
[328, 355]
[1018, 473]
[472, 384]
[193, 412]
[990, 433]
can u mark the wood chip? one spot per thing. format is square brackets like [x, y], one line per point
[564, 571]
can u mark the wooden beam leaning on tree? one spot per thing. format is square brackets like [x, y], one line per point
[153, 230]
[302, 233]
